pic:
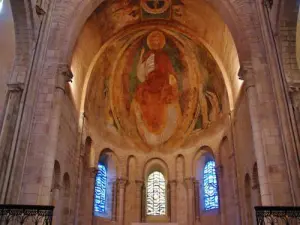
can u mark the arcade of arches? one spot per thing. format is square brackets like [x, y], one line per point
[150, 111]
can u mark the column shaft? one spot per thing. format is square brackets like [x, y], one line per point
[139, 186]
[191, 204]
[173, 185]
[7, 153]
[121, 187]
[64, 75]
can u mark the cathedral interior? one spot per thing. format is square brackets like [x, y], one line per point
[129, 112]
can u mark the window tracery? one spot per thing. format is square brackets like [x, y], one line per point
[156, 194]
[100, 189]
[210, 186]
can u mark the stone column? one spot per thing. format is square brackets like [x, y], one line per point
[56, 203]
[191, 203]
[294, 91]
[220, 181]
[121, 189]
[88, 196]
[252, 97]
[144, 203]
[173, 185]
[114, 202]
[139, 186]
[64, 76]
[7, 136]
[283, 135]
[197, 199]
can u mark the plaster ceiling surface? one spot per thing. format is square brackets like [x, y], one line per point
[154, 73]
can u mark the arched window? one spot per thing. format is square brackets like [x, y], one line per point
[156, 194]
[210, 186]
[100, 190]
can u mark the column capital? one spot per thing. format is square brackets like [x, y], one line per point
[197, 183]
[15, 87]
[64, 76]
[294, 86]
[139, 183]
[189, 182]
[56, 187]
[173, 183]
[219, 170]
[122, 182]
[93, 171]
[246, 74]
[294, 91]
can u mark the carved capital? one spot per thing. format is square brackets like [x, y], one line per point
[246, 74]
[56, 187]
[219, 170]
[64, 76]
[139, 183]
[173, 184]
[121, 182]
[294, 90]
[16, 87]
[93, 171]
[196, 183]
[189, 182]
[268, 3]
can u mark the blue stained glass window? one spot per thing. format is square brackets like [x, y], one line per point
[210, 186]
[156, 194]
[100, 190]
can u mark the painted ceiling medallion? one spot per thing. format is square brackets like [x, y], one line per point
[155, 6]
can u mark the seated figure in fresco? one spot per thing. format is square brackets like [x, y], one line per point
[156, 100]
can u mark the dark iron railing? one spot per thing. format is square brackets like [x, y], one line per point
[26, 214]
[273, 215]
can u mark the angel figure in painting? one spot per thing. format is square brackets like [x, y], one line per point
[156, 102]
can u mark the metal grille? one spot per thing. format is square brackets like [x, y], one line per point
[26, 214]
[276, 215]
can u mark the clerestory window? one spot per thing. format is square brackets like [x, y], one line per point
[100, 190]
[156, 194]
[210, 186]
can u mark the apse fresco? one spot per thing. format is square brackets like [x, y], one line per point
[160, 82]
[159, 87]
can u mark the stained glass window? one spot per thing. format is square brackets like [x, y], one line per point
[100, 190]
[156, 194]
[210, 186]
